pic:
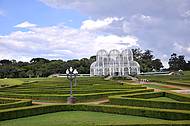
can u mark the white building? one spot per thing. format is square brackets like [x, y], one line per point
[114, 63]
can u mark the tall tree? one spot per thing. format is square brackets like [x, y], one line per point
[157, 64]
[137, 54]
[173, 62]
[177, 62]
[146, 61]
[181, 62]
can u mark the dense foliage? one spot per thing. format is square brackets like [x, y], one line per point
[146, 60]
[41, 67]
[178, 62]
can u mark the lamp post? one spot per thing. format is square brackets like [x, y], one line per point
[75, 73]
[71, 74]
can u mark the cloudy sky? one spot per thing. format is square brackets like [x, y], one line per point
[67, 29]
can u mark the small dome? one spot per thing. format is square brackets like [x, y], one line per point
[102, 52]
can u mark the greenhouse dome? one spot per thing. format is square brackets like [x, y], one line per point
[114, 63]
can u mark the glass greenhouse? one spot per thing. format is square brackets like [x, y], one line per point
[114, 63]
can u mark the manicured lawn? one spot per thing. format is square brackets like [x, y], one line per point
[81, 118]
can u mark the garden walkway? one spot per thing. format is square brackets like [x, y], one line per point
[53, 103]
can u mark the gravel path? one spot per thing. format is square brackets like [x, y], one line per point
[51, 103]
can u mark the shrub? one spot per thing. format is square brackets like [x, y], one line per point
[15, 103]
[138, 100]
[80, 97]
[178, 97]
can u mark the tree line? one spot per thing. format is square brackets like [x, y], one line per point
[41, 67]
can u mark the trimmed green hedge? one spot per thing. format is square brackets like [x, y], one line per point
[80, 97]
[178, 97]
[138, 100]
[15, 103]
[149, 103]
[169, 94]
[145, 95]
[66, 91]
[7, 100]
[29, 111]
[137, 111]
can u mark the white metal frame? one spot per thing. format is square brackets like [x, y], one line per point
[114, 63]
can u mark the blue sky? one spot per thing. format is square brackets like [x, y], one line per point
[17, 11]
[67, 29]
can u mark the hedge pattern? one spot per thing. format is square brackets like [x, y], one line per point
[66, 91]
[129, 110]
[177, 96]
[80, 97]
[14, 103]
[141, 100]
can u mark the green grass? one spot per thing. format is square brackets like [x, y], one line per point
[76, 118]
[163, 99]
[183, 80]
[160, 86]
[10, 82]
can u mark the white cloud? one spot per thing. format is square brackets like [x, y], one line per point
[127, 8]
[139, 22]
[156, 24]
[164, 59]
[60, 42]
[181, 48]
[141, 18]
[67, 4]
[25, 24]
[126, 27]
[115, 42]
[94, 25]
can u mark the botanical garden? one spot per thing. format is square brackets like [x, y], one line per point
[94, 62]
[140, 100]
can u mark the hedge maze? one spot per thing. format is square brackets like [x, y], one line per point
[174, 110]
[125, 99]
[57, 89]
